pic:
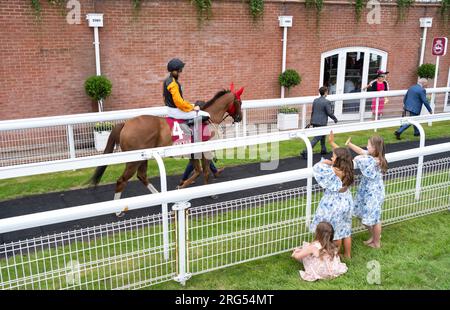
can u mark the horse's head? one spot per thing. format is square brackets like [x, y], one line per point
[225, 103]
[234, 109]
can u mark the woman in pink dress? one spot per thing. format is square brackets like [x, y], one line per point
[320, 257]
[380, 84]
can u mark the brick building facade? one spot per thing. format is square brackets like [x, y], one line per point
[44, 64]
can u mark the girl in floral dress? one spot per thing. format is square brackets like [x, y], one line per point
[336, 205]
[370, 194]
[320, 258]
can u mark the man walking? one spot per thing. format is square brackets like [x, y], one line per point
[412, 103]
[321, 110]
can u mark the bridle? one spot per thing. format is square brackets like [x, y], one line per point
[232, 110]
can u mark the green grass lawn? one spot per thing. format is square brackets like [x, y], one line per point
[20, 187]
[414, 255]
[222, 235]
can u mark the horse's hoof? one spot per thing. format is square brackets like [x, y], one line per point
[215, 197]
[120, 214]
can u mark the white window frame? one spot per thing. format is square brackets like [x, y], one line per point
[446, 103]
[342, 59]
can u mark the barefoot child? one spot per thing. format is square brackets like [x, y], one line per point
[336, 205]
[370, 194]
[320, 258]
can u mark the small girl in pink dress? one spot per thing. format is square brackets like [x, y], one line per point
[320, 258]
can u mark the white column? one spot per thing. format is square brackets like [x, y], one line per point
[283, 66]
[97, 51]
[424, 41]
[97, 62]
[433, 95]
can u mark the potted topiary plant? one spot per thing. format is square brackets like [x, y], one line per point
[98, 88]
[287, 118]
[102, 131]
[289, 78]
[426, 71]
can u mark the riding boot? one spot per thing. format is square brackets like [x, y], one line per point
[191, 121]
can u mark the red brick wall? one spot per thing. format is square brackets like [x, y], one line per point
[44, 65]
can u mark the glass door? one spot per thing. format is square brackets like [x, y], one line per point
[352, 80]
[346, 71]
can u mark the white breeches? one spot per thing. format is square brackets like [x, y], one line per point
[178, 114]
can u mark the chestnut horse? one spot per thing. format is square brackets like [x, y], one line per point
[147, 131]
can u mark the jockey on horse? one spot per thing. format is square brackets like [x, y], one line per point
[177, 107]
[149, 131]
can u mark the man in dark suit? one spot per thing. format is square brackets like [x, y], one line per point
[321, 110]
[412, 104]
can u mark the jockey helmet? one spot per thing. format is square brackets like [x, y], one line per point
[175, 65]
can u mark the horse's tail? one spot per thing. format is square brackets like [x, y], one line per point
[113, 139]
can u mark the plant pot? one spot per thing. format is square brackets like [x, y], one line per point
[101, 139]
[287, 121]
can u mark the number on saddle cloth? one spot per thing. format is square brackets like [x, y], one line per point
[182, 133]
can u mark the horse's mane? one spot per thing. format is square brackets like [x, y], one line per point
[216, 96]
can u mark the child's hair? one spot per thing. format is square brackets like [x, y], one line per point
[379, 151]
[344, 162]
[325, 235]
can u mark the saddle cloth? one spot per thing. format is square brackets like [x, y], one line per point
[179, 136]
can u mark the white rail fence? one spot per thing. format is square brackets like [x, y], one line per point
[73, 136]
[145, 251]
[131, 253]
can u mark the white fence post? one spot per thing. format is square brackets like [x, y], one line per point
[303, 116]
[362, 109]
[71, 141]
[164, 208]
[377, 102]
[309, 179]
[420, 163]
[181, 208]
[244, 122]
[236, 129]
